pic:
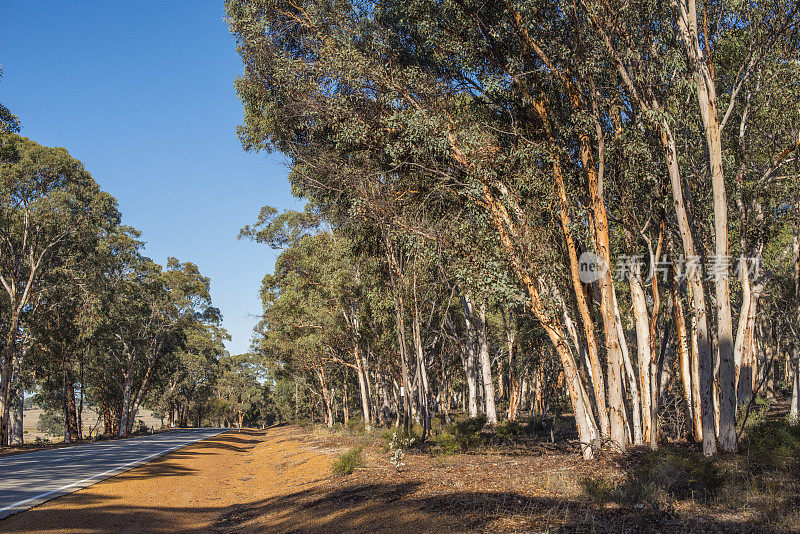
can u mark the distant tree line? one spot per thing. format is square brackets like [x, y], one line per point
[524, 205]
[87, 320]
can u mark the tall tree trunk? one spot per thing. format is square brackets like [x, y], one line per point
[486, 366]
[80, 403]
[422, 368]
[124, 413]
[385, 413]
[643, 349]
[469, 367]
[366, 410]
[108, 421]
[70, 415]
[700, 332]
[326, 397]
[686, 20]
[17, 412]
[296, 400]
[513, 381]
[636, 402]
[598, 378]
[794, 405]
[6, 369]
[692, 423]
[615, 345]
[741, 347]
[345, 404]
[405, 386]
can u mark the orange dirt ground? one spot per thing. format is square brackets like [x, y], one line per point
[245, 481]
[188, 490]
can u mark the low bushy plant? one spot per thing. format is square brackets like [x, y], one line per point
[773, 444]
[348, 462]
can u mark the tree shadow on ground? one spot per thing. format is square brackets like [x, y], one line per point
[400, 507]
[382, 507]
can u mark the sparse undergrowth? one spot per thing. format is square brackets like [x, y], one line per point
[760, 481]
[756, 489]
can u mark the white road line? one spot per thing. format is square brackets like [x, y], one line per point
[68, 486]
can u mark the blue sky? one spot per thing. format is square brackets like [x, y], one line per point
[142, 93]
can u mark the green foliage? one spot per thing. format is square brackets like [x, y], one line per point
[141, 429]
[773, 444]
[654, 479]
[238, 386]
[348, 462]
[51, 423]
[600, 489]
[461, 435]
[283, 396]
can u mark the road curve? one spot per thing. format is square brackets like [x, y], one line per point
[33, 478]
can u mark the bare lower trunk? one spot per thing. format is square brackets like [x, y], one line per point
[615, 362]
[108, 421]
[366, 410]
[643, 353]
[422, 372]
[345, 404]
[17, 413]
[469, 367]
[740, 357]
[486, 366]
[513, 386]
[404, 409]
[698, 301]
[6, 370]
[794, 406]
[70, 413]
[127, 394]
[705, 89]
[685, 365]
[326, 397]
[636, 402]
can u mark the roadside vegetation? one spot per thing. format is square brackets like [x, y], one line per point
[548, 228]
[88, 321]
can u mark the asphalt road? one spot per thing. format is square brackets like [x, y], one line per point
[33, 478]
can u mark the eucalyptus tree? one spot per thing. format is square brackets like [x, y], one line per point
[186, 384]
[435, 137]
[533, 123]
[156, 311]
[145, 313]
[716, 54]
[47, 200]
[308, 319]
[238, 386]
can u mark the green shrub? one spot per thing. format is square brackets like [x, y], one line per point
[467, 426]
[141, 428]
[355, 425]
[51, 423]
[600, 489]
[509, 429]
[774, 444]
[348, 462]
